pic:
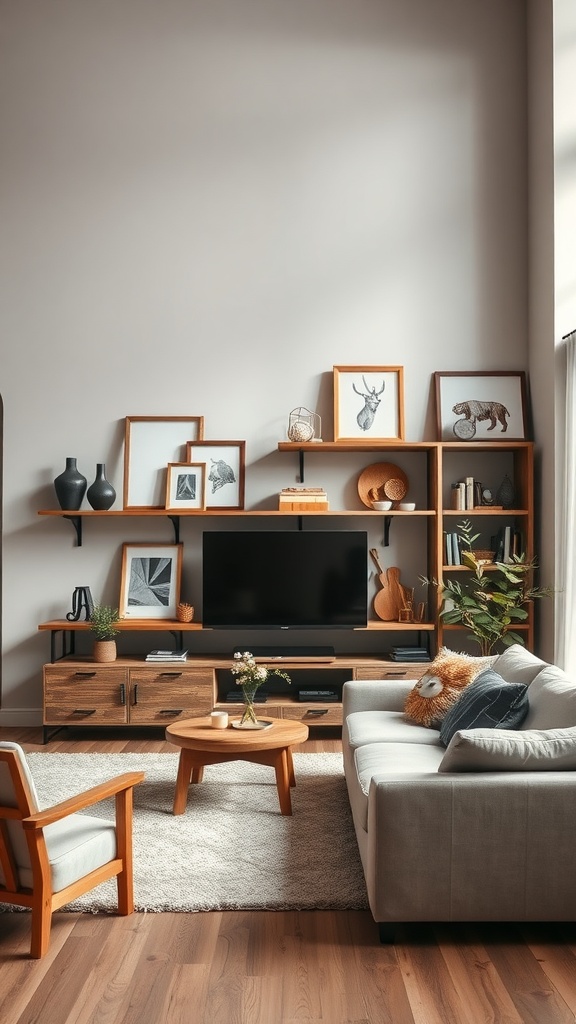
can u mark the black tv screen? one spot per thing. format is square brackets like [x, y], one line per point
[284, 580]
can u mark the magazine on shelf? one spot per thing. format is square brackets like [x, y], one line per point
[167, 656]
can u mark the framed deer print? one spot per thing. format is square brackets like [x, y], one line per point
[151, 442]
[150, 581]
[368, 403]
[481, 406]
[224, 462]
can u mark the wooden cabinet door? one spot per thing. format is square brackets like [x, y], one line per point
[159, 696]
[85, 696]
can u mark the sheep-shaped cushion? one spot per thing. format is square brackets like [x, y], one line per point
[440, 687]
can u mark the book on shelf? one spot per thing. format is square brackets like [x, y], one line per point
[303, 499]
[158, 655]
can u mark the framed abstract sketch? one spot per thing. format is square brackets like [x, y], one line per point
[151, 442]
[150, 581]
[185, 486]
[224, 471]
[368, 403]
[481, 406]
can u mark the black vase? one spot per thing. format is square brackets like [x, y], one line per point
[101, 494]
[70, 486]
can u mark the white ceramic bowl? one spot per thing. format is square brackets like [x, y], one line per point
[382, 506]
[407, 506]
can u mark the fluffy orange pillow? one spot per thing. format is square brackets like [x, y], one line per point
[440, 687]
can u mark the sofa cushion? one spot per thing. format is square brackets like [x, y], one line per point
[487, 703]
[551, 700]
[441, 685]
[517, 665]
[390, 759]
[386, 726]
[524, 750]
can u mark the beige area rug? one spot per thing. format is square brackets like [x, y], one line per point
[231, 849]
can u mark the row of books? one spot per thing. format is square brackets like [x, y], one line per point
[303, 499]
[467, 494]
[505, 544]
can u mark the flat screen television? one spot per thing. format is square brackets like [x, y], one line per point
[280, 579]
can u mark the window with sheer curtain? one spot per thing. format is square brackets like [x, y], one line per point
[565, 597]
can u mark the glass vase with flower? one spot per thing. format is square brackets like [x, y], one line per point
[250, 676]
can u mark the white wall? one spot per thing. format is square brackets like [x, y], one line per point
[205, 206]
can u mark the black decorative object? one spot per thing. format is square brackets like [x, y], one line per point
[81, 602]
[101, 494]
[505, 493]
[70, 487]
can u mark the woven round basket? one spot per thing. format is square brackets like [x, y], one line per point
[395, 489]
[373, 480]
[483, 556]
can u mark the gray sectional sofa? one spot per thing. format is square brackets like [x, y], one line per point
[483, 829]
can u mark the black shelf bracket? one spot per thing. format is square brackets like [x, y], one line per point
[387, 522]
[301, 465]
[77, 524]
[175, 520]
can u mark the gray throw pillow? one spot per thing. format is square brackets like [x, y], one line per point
[511, 750]
[487, 703]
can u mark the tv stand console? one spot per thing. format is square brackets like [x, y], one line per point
[133, 692]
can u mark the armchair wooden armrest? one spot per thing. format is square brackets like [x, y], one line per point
[113, 787]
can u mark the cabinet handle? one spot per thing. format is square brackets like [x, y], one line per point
[85, 675]
[175, 675]
[316, 712]
[123, 694]
[135, 689]
[393, 675]
[171, 711]
[84, 711]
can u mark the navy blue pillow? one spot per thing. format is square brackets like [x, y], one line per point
[487, 703]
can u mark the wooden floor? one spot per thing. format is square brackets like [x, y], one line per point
[276, 967]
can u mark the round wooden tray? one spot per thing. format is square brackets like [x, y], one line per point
[375, 478]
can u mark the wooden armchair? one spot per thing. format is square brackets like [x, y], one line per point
[49, 858]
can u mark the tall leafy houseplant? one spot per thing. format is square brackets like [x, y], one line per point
[489, 603]
[103, 625]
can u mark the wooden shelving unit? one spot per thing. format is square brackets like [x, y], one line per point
[443, 461]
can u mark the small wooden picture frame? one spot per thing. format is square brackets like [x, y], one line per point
[225, 467]
[150, 581]
[185, 486]
[368, 403]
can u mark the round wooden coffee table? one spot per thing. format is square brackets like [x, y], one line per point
[201, 745]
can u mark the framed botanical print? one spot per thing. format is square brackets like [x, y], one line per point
[185, 486]
[368, 403]
[150, 581]
[481, 406]
[225, 462]
[151, 442]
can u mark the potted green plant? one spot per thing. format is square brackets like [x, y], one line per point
[103, 625]
[489, 602]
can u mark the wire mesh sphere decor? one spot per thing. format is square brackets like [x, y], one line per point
[303, 425]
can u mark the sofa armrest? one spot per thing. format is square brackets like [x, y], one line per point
[475, 846]
[375, 695]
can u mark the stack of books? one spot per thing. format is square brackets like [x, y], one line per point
[409, 654]
[303, 499]
[167, 656]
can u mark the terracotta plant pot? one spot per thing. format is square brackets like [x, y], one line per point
[104, 650]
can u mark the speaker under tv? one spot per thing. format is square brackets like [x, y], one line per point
[280, 579]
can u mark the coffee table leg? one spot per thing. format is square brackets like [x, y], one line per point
[291, 774]
[283, 781]
[182, 782]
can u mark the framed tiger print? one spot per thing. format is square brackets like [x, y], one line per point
[482, 406]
